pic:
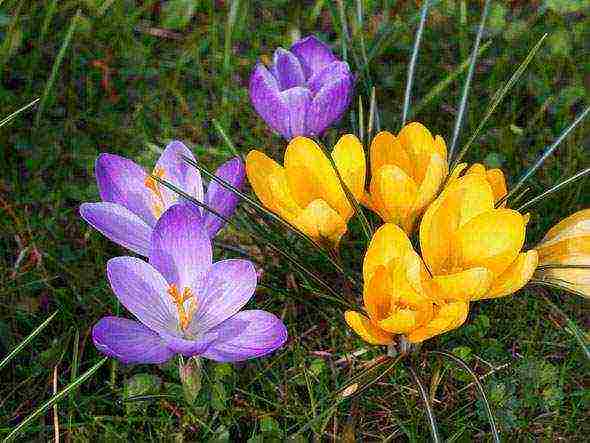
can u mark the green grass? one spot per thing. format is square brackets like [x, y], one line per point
[136, 74]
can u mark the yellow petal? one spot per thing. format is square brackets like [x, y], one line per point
[435, 175]
[402, 321]
[368, 331]
[462, 286]
[491, 240]
[320, 221]
[575, 279]
[476, 168]
[575, 225]
[269, 181]
[396, 193]
[387, 150]
[498, 183]
[377, 294]
[473, 195]
[388, 243]
[349, 156]
[515, 277]
[441, 147]
[568, 246]
[449, 316]
[418, 142]
[311, 176]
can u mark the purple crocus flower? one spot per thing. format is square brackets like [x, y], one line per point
[184, 303]
[306, 89]
[132, 201]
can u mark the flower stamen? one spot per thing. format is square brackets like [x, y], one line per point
[179, 299]
[153, 185]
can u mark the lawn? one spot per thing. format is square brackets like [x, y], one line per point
[129, 76]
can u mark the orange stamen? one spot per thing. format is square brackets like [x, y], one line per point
[179, 299]
[151, 183]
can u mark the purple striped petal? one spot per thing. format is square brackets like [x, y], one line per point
[266, 99]
[119, 225]
[129, 341]
[260, 333]
[180, 247]
[189, 348]
[329, 105]
[221, 199]
[287, 70]
[143, 291]
[225, 290]
[313, 54]
[329, 73]
[179, 173]
[298, 102]
[122, 181]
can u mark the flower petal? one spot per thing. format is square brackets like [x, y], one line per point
[574, 279]
[248, 334]
[223, 200]
[497, 181]
[298, 100]
[122, 181]
[401, 321]
[142, 290]
[287, 70]
[386, 149]
[313, 54]
[349, 157]
[575, 225]
[449, 316]
[129, 341]
[180, 247]
[377, 294]
[327, 74]
[492, 239]
[118, 224]
[266, 99]
[435, 175]
[467, 285]
[320, 221]
[397, 193]
[388, 243]
[369, 332]
[515, 277]
[328, 105]
[419, 143]
[225, 290]
[179, 173]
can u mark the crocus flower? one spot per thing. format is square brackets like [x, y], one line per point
[397, 295]
[407, 171]
[306, 192]
[132, 201]
[567, 244]
[184, 303]
[472, 249]
[305, 90]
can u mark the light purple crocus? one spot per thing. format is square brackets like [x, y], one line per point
[306, 89]
[132, 201]
[184, 303]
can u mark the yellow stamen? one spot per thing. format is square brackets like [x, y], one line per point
[153, 185]
[179, 299]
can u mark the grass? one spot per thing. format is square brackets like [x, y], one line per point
[122, 76]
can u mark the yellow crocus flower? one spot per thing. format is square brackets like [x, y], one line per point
[471, 248]
[306, 191]
[396, 294]
[406, 174]
[567, 244]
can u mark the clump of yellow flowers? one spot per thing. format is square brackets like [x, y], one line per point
[470, 243]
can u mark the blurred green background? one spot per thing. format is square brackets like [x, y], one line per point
[126, 76]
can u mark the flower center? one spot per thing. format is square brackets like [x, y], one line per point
[179, 299]
[158, 199]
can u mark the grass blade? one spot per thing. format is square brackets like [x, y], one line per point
[546, 153]
[426, 401]
[17, 112]
[55, 399]
[413, 60]
[27, 340]
[56, 65]
[226, 139]
[467, 85]
[460, 362]
[497, 99]
[557, 187]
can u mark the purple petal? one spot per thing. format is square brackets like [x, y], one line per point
[329, 105]
[129, 341]
[180, 247]
[266, 99]
[260, 333]
[225, 290]
[122, 181]
[313, 54]
[221, 199]
[189, 348]
[118, 224]
[298, 101]
[329, 73]
[143, 291]
[178, 172]
[287, 70]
